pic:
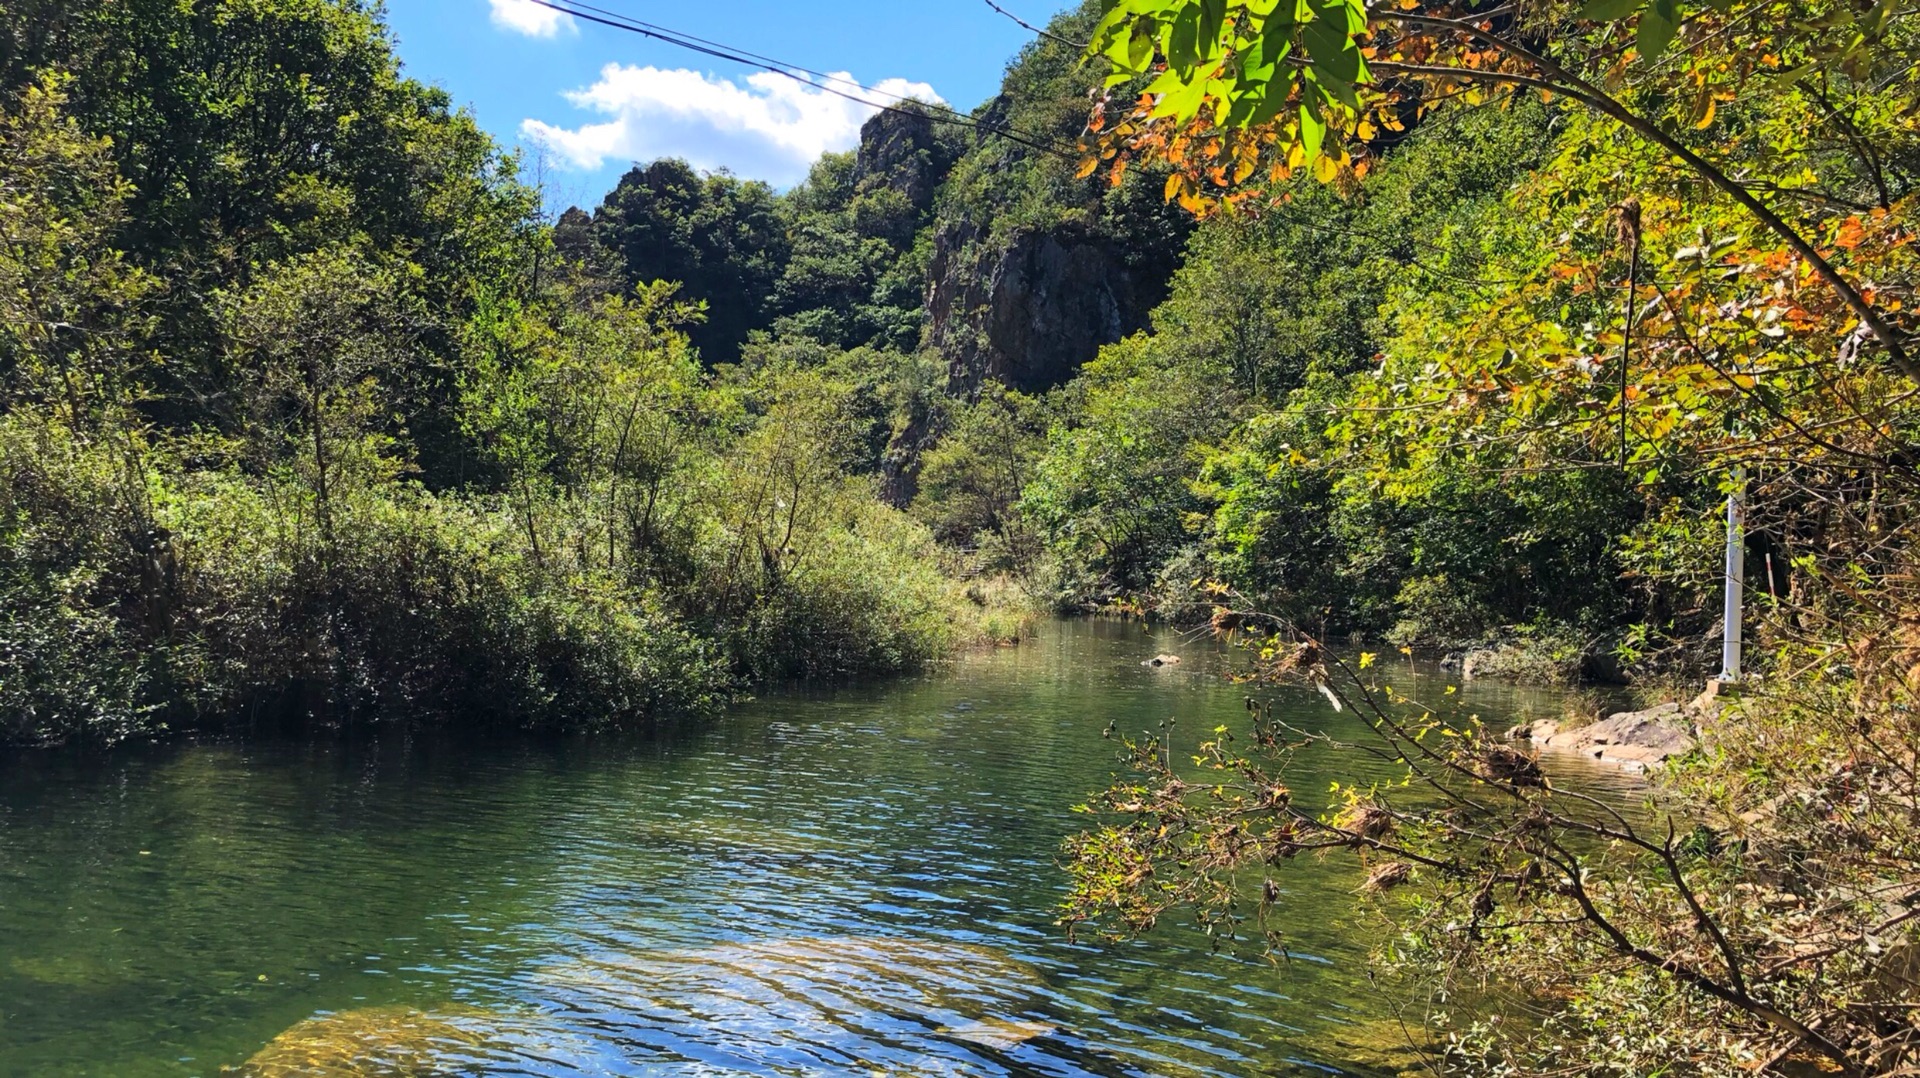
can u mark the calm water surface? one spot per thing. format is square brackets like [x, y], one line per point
[857, 881]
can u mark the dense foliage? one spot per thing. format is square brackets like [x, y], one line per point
[305, 412]
[1445, 324]
[1681, 270]
[1237, 442]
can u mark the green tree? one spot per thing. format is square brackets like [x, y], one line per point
[308, 340]
[972, 482]
[1112, 495]
[719, 236]
[73, 311]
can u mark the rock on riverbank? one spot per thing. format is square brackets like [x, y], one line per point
[1633, 739]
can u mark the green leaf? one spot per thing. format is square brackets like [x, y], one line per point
[1332, 51]
[1342, 91]
[1139, 48]
[1183, 41]
[1275, 43]
[1610, 10]
[1110, 24]
[1787, 78]
[1658, 25]
[1213, 17]
[1182, 102]
[1313, 132]
[1271, 102]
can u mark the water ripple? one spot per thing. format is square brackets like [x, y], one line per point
[832, 883]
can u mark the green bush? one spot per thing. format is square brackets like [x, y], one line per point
[422, 606]
[870, 600]
[67, 666]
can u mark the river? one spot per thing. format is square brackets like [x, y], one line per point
[847, 881]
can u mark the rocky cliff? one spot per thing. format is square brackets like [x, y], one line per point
[1028, 309]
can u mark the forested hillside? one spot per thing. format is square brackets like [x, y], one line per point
[278, 312]
[1072, 376]
[1504, 321]
[308, 415]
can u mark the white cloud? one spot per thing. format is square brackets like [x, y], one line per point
[529, 18]
[767, 127]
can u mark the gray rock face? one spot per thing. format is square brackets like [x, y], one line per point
[1027, 311]
[1636, 739]
[898, 151]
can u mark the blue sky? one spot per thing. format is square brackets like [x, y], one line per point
[594, 99]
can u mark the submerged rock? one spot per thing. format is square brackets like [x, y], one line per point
[908, 1007]
[1537, 730]
[69, 971]
[883, 971]
[997, 1033]
[1386, 1046]
[375, 1042]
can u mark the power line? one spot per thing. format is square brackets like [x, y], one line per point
[785, 69]
[757, 58]
[615, 20]
[580, 9]
[1040, 31]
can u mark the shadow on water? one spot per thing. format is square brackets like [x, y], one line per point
[850, 881]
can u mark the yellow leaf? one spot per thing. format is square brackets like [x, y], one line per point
[1174, 183]
[1705, 114]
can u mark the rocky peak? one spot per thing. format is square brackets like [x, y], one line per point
[898, 152]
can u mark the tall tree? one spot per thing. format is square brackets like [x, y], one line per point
[719, 236]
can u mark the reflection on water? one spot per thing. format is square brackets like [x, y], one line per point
[857, 881]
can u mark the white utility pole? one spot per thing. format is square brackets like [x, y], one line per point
[1736, 577]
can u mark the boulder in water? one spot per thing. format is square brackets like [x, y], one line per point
[374, 1042]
